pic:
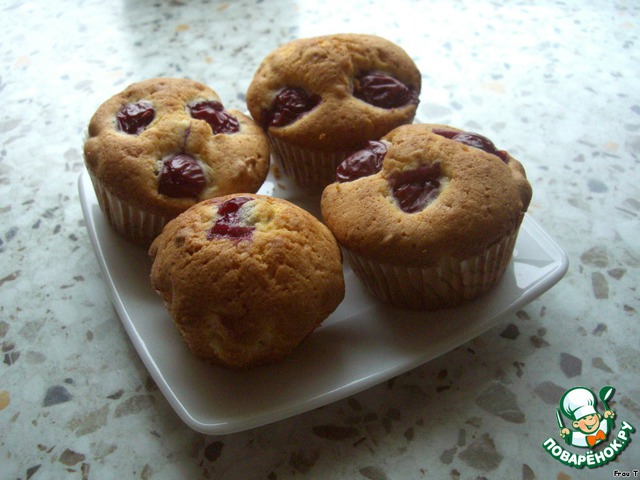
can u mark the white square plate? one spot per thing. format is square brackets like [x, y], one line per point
[361, 344]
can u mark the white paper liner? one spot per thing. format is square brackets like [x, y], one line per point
[130, 222]
[308, 168]
[449, 283]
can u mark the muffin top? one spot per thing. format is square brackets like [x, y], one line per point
[246, 278]
[163, 144]
[424, 192]
[334, 92]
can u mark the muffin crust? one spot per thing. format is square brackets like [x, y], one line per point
[128, 166]
[242, 302]
[482, 199]
[327, 67]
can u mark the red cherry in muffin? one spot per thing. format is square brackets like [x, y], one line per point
[228, 222]
[216, 116]
[288, 106]
[383, 91]
[362, 163]
[473, 140]
[181, 176]
[133, 118]
[417, 188]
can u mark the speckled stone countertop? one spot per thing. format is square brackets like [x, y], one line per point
[554, 82]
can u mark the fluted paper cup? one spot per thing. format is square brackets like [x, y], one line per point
[449, 283]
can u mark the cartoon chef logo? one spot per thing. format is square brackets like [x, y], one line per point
[581, 425]
[590, 428]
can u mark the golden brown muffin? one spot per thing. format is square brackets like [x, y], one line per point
[428, 216]
[246, 278]
[321, 97]
[164, 144]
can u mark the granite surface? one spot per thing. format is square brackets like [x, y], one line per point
[554, 82]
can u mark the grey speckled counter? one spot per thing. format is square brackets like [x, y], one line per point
[554, 82]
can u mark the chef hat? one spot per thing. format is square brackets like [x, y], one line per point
[578, 402]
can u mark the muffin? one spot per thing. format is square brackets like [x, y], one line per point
[246, 278]
[164, 144]
[319, 98]
[428, 217]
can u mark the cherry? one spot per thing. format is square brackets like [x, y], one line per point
[473, 140]
[383, 91]
[181, 176]
[289, 105]
[362, 163]
[415, 189]
[227, 223]
[133, 118]
[216, 116]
